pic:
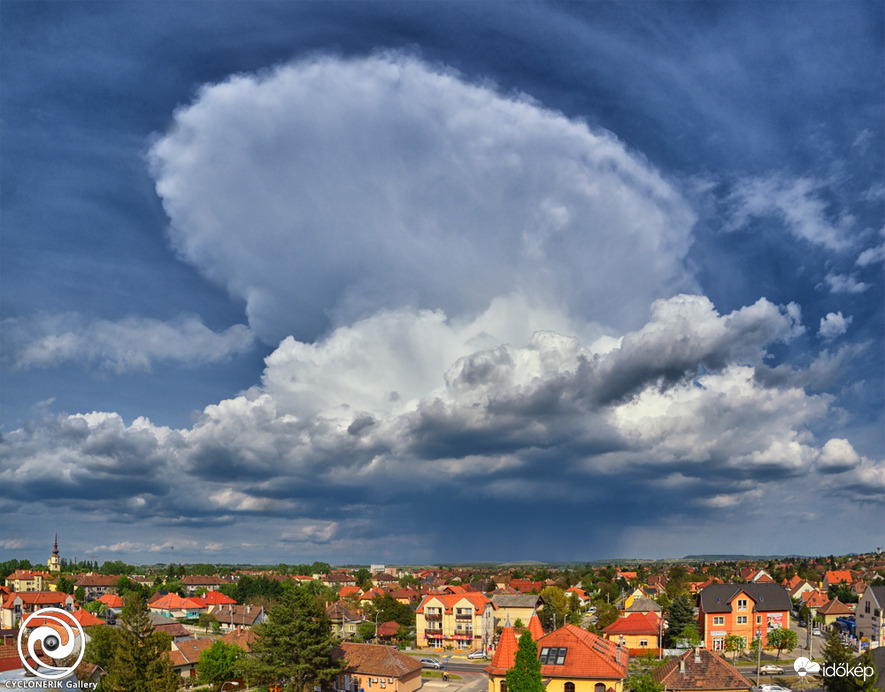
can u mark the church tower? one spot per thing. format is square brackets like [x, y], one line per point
[54, 563]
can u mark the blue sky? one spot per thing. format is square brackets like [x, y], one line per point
[441, 281]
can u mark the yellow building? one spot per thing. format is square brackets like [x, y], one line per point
[572, 660]
[23, 580]
[54, 563]
[459, 620]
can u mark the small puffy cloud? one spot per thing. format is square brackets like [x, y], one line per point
[833, 325]
[796, 202]
[873, 255]
[12, 543]
[47, 341]
[845, 283]
[837, 456]
[327, 190]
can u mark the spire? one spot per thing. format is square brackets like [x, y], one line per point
[535, 628]
[55, 546]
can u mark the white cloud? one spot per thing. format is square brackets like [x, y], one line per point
[833, 325]
[329, 189]
[838, 455]
[47, 341]
[843, 283]
[797, 202]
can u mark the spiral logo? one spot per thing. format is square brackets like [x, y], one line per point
[58, 645]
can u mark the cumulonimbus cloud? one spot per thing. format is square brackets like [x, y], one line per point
[328, 189]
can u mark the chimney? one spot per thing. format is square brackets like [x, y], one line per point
[682, 666]
[248, 609]
[697, 654]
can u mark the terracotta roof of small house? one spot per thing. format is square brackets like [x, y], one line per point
[173, 629]
[376, 659]
[635, 623]
[189, 650]
[112, 600]
[700, 669]
[388, 629]
[240, 636]
[838, 576]
[834, 607]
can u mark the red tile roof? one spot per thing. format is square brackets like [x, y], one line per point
[241, 636]
[505, 654]
[450, 601]
[535, 628]
[215, 598]
[376, 659]
[701, 670]
[189, 650]
[112, 600]
[589, 655]
[838, 576]
[635, 623]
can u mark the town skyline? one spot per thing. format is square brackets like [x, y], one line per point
[441, 281]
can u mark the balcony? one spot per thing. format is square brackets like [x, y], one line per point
[464, 617]
[433, 617]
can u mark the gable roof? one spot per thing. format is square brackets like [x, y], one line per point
[375, 659]
[588, 656]
[450, 601]
[834, 607]
[878, 593]
[644, 605]
[241, 637]
[702, 670]
[838, 576]
[505, 600]
[767, 597]
[112, 600]
[635, 623]
[189, 650]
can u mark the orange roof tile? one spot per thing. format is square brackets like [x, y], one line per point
[635, 623]
[505, 654]
[589, 655]
[535, 628]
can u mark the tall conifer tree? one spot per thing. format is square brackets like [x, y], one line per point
[525, 675]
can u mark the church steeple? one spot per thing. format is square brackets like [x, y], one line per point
[54, 562]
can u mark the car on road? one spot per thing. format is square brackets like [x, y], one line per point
[816, 631]
[773, 688]
[430, 663]
[476, 654]
[771, 669]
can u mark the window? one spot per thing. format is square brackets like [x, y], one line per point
[503, 686]
[742, 604]
[568, 687]
[643, 642]
[717, 644]
[867, 607]
[598, 687]
[758, 619]
[718, 619]
[553, 655]
[742, 619]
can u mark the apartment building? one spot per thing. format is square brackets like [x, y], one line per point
[460, 620]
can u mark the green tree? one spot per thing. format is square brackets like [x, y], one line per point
[556, 608]
[363, 578]
[643, 681]
[735, 644]
[139, 663]
[79, 594]
[207, 620]
[836, 655]
[783, 640]
[606, 614]
[294, 647]
[365, 631]
[525, 675]
[680, 615]
[102, 646]
[96, 608]
[65, 585]
[690, 636]
[219, 663]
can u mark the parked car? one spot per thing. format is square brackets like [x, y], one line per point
[774, 688]
[476, 654]
[430, 663]
[816, 631]
[771, 669]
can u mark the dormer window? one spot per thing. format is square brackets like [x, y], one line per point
[742, 604]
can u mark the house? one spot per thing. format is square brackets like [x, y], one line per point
[376, 667]
[211, 598]
[385, 581]
[113, 603]
[344, 620]
[514, 607]
[405, 596]
[96, 585]
[835, 577]
[174, 606]
[349, 592]
[869, 616]
[230, 615]
[639, 632]
[185, 655]
[583, 597]
[194, 583]
[572, 660]
[17, 606]
[174, 629]
[387, 631]
[526, 585]
[700, 670]
[831, 610]
[241, 637]
[460, 620]
[814, 600]
[800, 588]
[644, 605]
[27, 580]
[336, 580]
[372, 594]
[744, 610]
